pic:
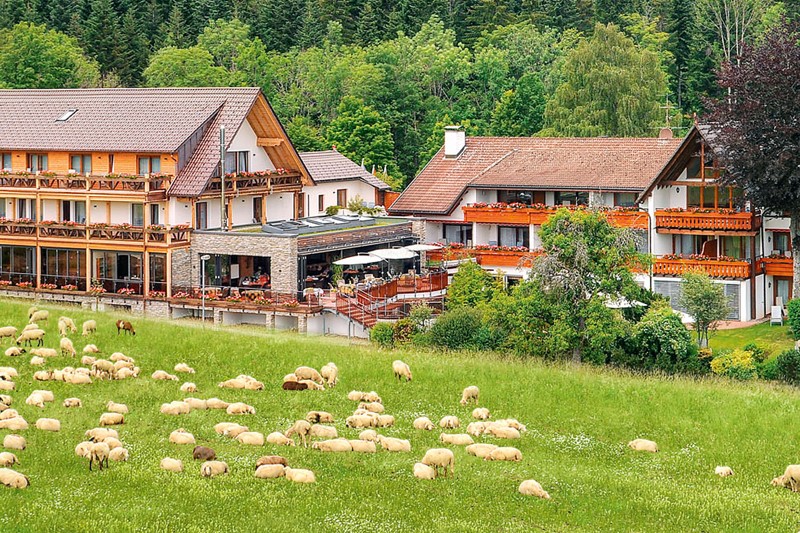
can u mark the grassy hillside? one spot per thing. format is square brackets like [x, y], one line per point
[578, 419]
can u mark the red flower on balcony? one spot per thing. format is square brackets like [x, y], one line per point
[69, 287]
[158, 294]
[48, 286]
[4, 283]
[126, 291]
[25, 284]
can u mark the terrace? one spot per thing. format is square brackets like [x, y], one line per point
[25, 229]
[537, 214]
[706, 219]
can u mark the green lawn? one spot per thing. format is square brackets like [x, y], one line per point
[579, 421]
[774, 339]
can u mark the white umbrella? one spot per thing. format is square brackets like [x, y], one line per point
[358, 260]
[422, 247]
[394, 253]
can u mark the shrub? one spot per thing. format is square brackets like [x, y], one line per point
[661, 342]
[332, 210]
[421, 314]
[759, 354]
[738, 364]
[404, 330]
[768, 370]
[793, 308]
[787, 365]
[457, 329]
[382, 334]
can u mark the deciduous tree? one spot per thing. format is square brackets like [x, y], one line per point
[705, 302]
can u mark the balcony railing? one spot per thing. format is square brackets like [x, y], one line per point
[489, 256]
[80, 182]
[778, 266]
[269, 181]
[716, 268]
[537, 214]
[706, 219]
[106, 232]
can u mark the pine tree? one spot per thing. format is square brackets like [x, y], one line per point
[174, 30]
[314, 26]
[681, 27]
[100, 37]
[610, 10]
[370, 24]
[134, 51]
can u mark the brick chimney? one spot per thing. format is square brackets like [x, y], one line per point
[455, 140]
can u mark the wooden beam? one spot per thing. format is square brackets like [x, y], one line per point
[269, 141]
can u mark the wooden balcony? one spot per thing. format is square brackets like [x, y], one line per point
[778, 266]
[81, 183]
[670, 266]
[486, 257]
[538, 215]
[25, 230]
[266, 182]
[709, 220]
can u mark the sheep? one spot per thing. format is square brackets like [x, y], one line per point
[530, 487]
[423, 471]
[423, 423]
[290, 378]
[440, 458]
[160, 375]
[171, 465]
[98, 452]
[13, 479]
[513, 423]
[83, 449]
[269, 471]
[99, 434]
[44, 352]
[8, 413]
[355, 396]
[195, 403]
[48, 424]
[78, 378]
[229, 429]
[37, 361]
[279, 439]
[240, 408]
[299, 475]
[8, 459]
[476, 429]
[120, 408]
[213, 468]
[39, 316]
[102, 365]
[203, 453]
[469, 394]
[643, 445]
[216, 403]
[30, 327]
[254, 385]
[16, 423]
[251, 438]
[501, 432]
[480, 413]
[293, 385]
[449, 422]
[310, 385]
[8, 331]
[316, 417]
[72, 402]
[271, 460]
[790, 478]
[90, 326]
[360, 421]
[9, 371]
[7, 385]
[301, 428]
[112, 442]
[175, 408]
[325, 432]
[372, 397]
[480, 450]
[124, 325]
[334, 445]
[392, 444]
[125, 373]
[723, 471]
[14, 442]
[234, 383]
[119, 454]
[111, 419]
[31, 335]
[35, 400]
[188, 387]
[89, 348]
[183, 367]
[401, 370]
[119, 365]
[385, 421]
[504, 454]
[368, 435]
[47, 395]
[330, 373]
[306, 372]
[14, 351]
[372, 407]
[119, 356]
[6, 399]
[181, 436]
[457, 439]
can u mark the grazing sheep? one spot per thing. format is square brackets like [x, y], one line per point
[449, 422]
[181, 436]
[290, 377]
[14, 442]
[293, 385]
[306, 372]
[480, 413]
[111, 419]
[175, 408]
[502, 432]
[368, 435]
[334, 445]
[160, 375]
[251, 438]
[355, 395]
[279, 439]
[98, 453]
[101, 365]
[401, 370]
[90, 326]
[440, 458]
[316, 417]
[44, 352]
[30, 327]
[392, 444]
[504, 454]
[8, 331]
[723, 471]
[73, 402]
[423, 471]
[195, 403]
[213, 468]
[90, 348]
[360, 421]
[183, 367]
[40, 316]
[269, 471]
[69, 325]
[271, 460]
[100, 434]
[37, 361]
[480, 450]
[372, 407]
[299, 475]
[203, 453]
[324, 432]
[188, 387]
[456, 439]
[240, 408]
[424, 423]
[83, 449]
[124, 325]
[16, 423]
[301, 428]
[216, 403]
[229, 429]
[790, 478]
[48, 424]
[27, 337]
[372, 397]
[530, 487]
[6, 399]
[470, 393]
[14, 351]
[310, 385]
[171, 465]
[643, 445]
[119, 454]
[385, 421]
[330, 373]
[120, 408]
[35, 400]
[13, 479]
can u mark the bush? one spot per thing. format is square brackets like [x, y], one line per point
[457, 329]
[421, 314]
[382, 334]
[738, 364]
[332, 210]
[769, 370]
[787, 366]
[759, 354]
[404, 330]
[793, 308]
[661, 342]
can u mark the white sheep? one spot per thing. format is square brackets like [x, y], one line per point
[333, 445]
[363, 446]
[456, 439]
[13, 479]
[233, 383]
[306, 372]
[279, 439]
[181, 436]
[175, 408]
[8, 459]
[790, 478]
[323, 432]
[469, 394]
[449, 422]
[102, 365]
[119, 356]
[360, 421]
[112, 442]
[392, 444]
[372, 407]
[8, 413]
[513, 423]
[440, 458]
[16, 423]
[299, 475]
[111, 419]
[723, 471]
[83, 449]
[372, 397]
[385, 421]
[35, 400]
[530, 487]
[161, 375]
[216, 403]
[423, 471]
[40, 316]
[30, 327]
[311, 385]
[8, 331]
[119, 365]
[251, 438]
[330, 373]
[48, 424]
[230, 429]
[37, 361]
[113, 407]
[100, 434]
[355, 395]
[73, 402]
[14, 442]
[27, 337]
[46, 395]
[98, 453]
[89, 348]
[171, 465]
[183, 367]
[476, 429]
[368, 435]
[423, 423]
[504, 454]
[269, 471]
[300, 428]
[502, 432]
[401, 370]
[316, 417]
[643, 445]
[480, 413]
[213, 468]
[88, 360]
[119, 454]
[196, 403]
[240, 408]
[78, 378]
[90, 326]
[7, 385]
[480, 450]
[14, 351]
[9, 371]
[69, 323]
[290, 378]
[188, 387]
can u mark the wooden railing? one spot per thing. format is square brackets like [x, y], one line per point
[115, 232]
[258, 181]
[433, 282]
[496, 258]
[716, 220]
[539, 215]
[777, 266]
[80, 182]
[716, 269]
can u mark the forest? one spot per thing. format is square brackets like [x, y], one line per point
[379, 79]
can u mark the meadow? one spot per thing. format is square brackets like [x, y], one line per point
[579, 421]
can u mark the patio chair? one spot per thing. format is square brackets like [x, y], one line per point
[776, 315]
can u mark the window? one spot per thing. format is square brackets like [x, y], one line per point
[572, 198]
[73, 211]
[693, 198]
[26, 208]
[149, 165]
[6, 161]
[118, 270]
[110, 163]
[321, 203]
[17, 263]
[3, 208]
[458, 233]
[64, 267]
[201, 215]
[237, 162]
[258, 209]
[341, 197]
[82, 164]
[158, 272]
[625, 199]
[300, 198]
[155, 214]
[513, 236]
[510, 197]
[37, 162]
[67, 115]
[137, 215]
[781, 243]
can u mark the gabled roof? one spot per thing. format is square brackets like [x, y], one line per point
[329, 165]
[532, 163]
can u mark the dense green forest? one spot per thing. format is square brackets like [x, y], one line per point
[379, 79]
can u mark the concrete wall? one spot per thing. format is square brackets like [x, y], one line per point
[328, 190]
[245, 140]
[280, 207]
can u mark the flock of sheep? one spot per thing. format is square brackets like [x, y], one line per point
[102, 444]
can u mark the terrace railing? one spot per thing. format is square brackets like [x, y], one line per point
[80, 182]
[706, 219]
[670, 266]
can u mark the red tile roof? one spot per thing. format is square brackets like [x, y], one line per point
[589, 164]
[330, 165]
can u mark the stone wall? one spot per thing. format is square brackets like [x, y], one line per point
[182, 268]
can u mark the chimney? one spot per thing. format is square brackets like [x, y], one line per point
[665, 133]
[455, 140]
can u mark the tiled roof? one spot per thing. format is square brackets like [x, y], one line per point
[330, 165]
[608, 164]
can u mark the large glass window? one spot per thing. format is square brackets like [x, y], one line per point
[74, 211]
[781, 243]
[18, 263]
[511, 197]
[64, 267]
[625, 199]
[26, 208]
[37, 162]
[137, 215]
[458, 233]
[158, 272]
[572, 198]
[82, 164]
[694, 198]
[3, 203]
[201, 215]
[118, 270]
[149, 165]
[513, 236]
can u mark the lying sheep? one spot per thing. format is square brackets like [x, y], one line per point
[300, 428]
[98, 453]
[290, 378]
[113, 407]
[385, 421]
[423, 423]
[8, 459]
[8, 331]
[306, 372]
[502, 432]
[73, 402]
[480, 450]
[234, 383]
[355, 395]
[14, 442]
[100, 434]
[440, 458]
[334, 445]
[16, 423]
[293, 385]
[392, 444]
[310, 385]
[161, 375]
[372, 397]
[513, 423]
[195, 403]
[476, 429]
[111, 419]
[188, 387]
[13, 479]
[46, 395]
[279, 439]
[316, 417]
[213, 468]
[119, 454]
[449, 422]
[9, 371]
[360, 421]
[240, 408]
[78, 378]
[423, 471]
[271, 460]
[504, 454]
[363, 446]
[37, 361]
[119, 356]
[8, 413]
[401, 370]
[480, 413]
[643, 445]
[203, 453]
[251, 438]
[469, 394]
[790, 478]
[90, 326]
[230, 429]
[171, 465]
[324, 432]
[40, 316]
[175, 408]
[723, 471]
[368, 435]
[181, 436]
[372, 407]
[35, 400]
[269, 471]
[14, 351]
[330, 373]
[456, 439]
[216, 403]
[27, 337]
[90, 348]
[530, 487]
[88, 360]
[183, 367]
[299, 475]
[48, 424]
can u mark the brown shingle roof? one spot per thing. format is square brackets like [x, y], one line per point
[608, 164]
[330, 165]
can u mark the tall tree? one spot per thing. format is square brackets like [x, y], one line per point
[681, 26]
[134, 51]
[757, 128]
[520, 112]
[185, 67]
[224, 39]
[101, 36]
[734, 22]
[610, 10]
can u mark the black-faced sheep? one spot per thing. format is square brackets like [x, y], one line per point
[14, 351]
[39, 316]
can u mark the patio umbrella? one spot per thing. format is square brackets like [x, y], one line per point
[358, 260]
[422, 247]
[394, 253]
